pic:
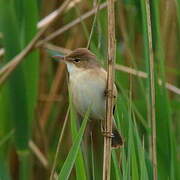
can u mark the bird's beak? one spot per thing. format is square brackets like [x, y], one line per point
[59, 58]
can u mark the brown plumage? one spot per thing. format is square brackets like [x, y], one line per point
[87, 81]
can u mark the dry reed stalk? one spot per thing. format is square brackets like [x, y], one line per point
[152, 93]
[9, 67]
[110, 81]
[46, 20]
[40, 156]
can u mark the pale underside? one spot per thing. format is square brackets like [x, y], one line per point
[88, 90]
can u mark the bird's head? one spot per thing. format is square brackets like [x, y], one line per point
[80, 58]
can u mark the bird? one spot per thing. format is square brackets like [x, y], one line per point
[88, 84]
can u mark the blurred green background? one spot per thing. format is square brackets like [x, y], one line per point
[34, 100]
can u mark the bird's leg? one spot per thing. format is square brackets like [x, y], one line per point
[109, 94]
[106, 133]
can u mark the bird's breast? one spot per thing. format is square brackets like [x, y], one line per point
[87, 88]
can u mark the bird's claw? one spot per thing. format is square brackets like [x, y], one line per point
[109, 94]
[107, 134]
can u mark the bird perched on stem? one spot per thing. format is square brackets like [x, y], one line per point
[88, 82]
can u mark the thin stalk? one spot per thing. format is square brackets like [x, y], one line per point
[58, 146]
[93, 25]
[39, 155]
[110, 81]
[152, 93]
[92, 158]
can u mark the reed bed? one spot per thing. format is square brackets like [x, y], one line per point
[41, 136]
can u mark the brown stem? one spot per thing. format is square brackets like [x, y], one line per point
[110, 81]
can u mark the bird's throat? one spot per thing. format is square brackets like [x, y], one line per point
[74, 70]
[71, 68]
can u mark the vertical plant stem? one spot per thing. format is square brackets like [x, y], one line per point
[58, 146]
[110, 80]
[94, 23]
[152, 93]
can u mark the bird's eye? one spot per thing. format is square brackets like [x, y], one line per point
[76, 59]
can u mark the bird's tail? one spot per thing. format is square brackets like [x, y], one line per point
[117, 140]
